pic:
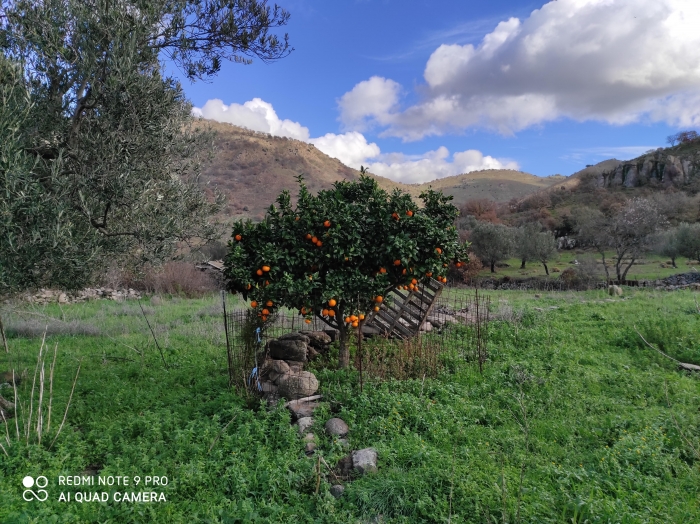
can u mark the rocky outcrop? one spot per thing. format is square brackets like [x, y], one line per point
[658, 167]
[282, 371]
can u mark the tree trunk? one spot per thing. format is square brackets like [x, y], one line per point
[344, 349]
[493, 266]
[673, 262]
[522, 263]
[546, 269]
[605, 265]
[624, 273]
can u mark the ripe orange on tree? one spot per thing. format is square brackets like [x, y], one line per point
[263, 318]
[238, 238]
[269, 303]
[259, 272]
[409, 213]
[327, 223]
[319, 243]
[332, 302]
[314, 239]
[382, 270]
[266, 268]
[362, 316]
[397, 262]
[265, 311]
[253, 304]
[331, 313]
[307, 320]
[308, 236]
[439, 250]
[379, 299]
[355, 323]
[324, 312]
[376, 308]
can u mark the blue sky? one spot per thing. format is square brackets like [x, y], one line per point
[419, 90]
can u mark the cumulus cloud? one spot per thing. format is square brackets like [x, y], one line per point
[256, 114]
[435, 164]
[616, 61]
[352, 148]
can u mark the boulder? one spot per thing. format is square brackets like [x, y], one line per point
[318, 340]
[365, 460]
[614, 290]
[337, 427]
[279, 366]
[304, 424]
[288, 349]
[309, 448]
[297, 385]
[295, 336]
[302, 409]
[294, 366]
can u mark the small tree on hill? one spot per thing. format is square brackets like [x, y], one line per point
[689, 240]
[337, 254]
[544, 248]
[667, 244]
[492, 243]
[523, 245]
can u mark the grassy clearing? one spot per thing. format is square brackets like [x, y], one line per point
[648, 268]
[573, 420]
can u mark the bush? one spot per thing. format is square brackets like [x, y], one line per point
[174, 278]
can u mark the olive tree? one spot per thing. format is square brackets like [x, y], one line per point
[100, 154]
[522, 242]
[689, 240]
[492, 243]
[336, 254]
[544, 248]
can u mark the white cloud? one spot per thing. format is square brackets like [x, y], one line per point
[352, 148]
[374, 98]
[435, 164]
[256, 114]
[616, 61]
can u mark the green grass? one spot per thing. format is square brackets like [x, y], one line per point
[571, 401]
[648, 268]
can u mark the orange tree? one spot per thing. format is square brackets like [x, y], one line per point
[335, 255]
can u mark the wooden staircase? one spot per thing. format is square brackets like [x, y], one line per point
[405, 314]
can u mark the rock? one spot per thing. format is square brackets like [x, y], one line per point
[295, 336]
[310, 437]
[268, 387]
[288, 349]
[63, 298]
[302, 409]
[337, 490]
[337, 427]
[295, 366]
[304, 424]
[319, 340]
[614, 290]
[345, 443]
[365, 460]
[273, 376]
[311, 353]
[427, 327]
[279, 366]
[297, 385]
[344, 467]
[309, 448]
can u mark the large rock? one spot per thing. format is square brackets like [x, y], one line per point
[304, 424]
[365, 460]
[297, 385]
[614, 290]
[318, 340]
[288, 349]
[337, 427]
[302, 409]
[295, 336]
[279, 366]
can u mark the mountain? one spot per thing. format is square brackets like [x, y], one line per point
[253, 168]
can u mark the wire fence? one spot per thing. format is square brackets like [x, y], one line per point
[261, 363]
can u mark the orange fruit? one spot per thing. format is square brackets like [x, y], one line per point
[238, 238]
[248, 286]
[429, 274]
[266, 268]
[308, 236]
[307, 320]
[409, 213]
[355, 324]
[439, 251]
[269, 303]
[327, 223]
[444, 265]
[314, 239]
[404, 271]
[458, 264]
[353, 318]
[414, 281]
[253, 304]
[379, 299]
[319, 243]
[362, 316]
[382, 270]
[259, 272]
[297, 218]
[263, 318]
[376, 308]
[324, 312]
[347, 320]
[397, 262]
[265, 311]
[332, 302]
[267, 282]
[331, 313]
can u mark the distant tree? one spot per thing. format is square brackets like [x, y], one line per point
[666, 244]
[523, 246]
[682, 137]
[688, 238]
[104, 156]
[483, 209]
[492, 243]
[544, 248]
[590, 226]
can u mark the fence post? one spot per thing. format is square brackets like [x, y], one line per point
[228, 342]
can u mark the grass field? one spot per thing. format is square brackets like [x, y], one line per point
[647, 268]
[573, 420]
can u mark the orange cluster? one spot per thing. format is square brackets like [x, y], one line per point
[265, 311]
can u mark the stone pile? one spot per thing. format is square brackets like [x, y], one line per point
[282, 371]
[50, 296]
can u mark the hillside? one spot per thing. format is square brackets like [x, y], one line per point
[252, 168]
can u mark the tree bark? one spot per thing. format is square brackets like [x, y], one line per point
[493, 266]
[673, 262]
[522, 263]
[344, 349]
[546, 269]
[624, 273]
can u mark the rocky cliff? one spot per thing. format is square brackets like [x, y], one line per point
[678, 166]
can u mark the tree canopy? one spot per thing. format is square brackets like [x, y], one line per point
[100, 154]
[336, 254]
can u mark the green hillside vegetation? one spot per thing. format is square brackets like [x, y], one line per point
[573, 420]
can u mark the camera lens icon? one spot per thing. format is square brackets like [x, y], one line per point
[40, 482]
[28, 481]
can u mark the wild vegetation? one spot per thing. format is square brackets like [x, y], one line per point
[574, 419]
